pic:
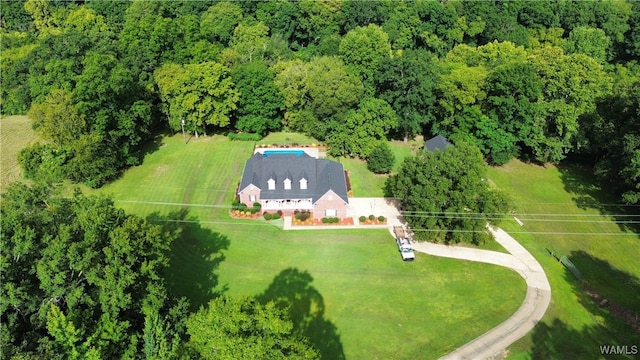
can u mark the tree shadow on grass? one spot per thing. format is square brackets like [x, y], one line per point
[292, 290]
[149, 147]
[588, 193]
[561, 340]
[601, 281]
[195, 255]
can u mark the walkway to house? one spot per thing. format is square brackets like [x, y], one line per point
[492, 343]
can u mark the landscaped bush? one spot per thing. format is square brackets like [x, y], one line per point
[381, 218]
[362, 219]
[330, 220]
[268, 216]
[381, 159]
[372, 217]
[244, 136]
[304, 216]
[297, 214]
[237, 205]
[275, 216]
[256, 208]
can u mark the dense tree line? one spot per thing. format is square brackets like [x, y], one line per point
[519, 79]
[83, 280]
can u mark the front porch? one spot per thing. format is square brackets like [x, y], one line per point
[287, 204]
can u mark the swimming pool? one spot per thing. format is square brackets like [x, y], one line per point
[297, 153]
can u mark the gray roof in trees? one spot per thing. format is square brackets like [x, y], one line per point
[438, 142]
[322, 175]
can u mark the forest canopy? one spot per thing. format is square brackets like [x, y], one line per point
[541, 81]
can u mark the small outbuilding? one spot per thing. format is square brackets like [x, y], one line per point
[438, 142]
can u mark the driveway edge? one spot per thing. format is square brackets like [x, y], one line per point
[492, 343]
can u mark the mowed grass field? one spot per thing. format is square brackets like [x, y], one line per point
[364, 183]
[582, 222]
[357, 299]
[15, 134]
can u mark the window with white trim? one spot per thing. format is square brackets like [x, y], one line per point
[252, 198]
[303, 184]
[271, 184]
[287, 184]
[331, 212]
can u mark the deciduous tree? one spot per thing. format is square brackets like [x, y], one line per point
[201, 94]
[243, 328]
[57, 119]
[364, 48]
[260, 101]
[363, 128]
[406, 81]
[445, 196]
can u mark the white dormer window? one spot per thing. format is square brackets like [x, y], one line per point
[287, 184]
[303, 184]
[272, 184]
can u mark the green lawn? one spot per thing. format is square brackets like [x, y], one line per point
[15, 134]
[364, 183]
[353, 294]
[288, 138]
[573, 326]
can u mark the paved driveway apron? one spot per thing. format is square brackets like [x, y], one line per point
[360, 206]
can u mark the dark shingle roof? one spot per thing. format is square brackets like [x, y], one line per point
[438, 142]
[322, 175]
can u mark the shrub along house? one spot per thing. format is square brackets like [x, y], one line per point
[293, 180]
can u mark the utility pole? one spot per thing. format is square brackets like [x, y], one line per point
[184, 137]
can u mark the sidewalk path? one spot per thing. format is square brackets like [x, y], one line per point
[493, 342]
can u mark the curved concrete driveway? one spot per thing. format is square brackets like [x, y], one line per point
[493, 342]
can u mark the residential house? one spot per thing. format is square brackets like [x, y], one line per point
[293, 180]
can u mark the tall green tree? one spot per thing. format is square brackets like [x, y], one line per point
[319, 19]
[445, 197]
[243, 328]
[362, 129]
[570, 86]
[282, 17]
[57, 119]
[260, 101]
[589, 41]
[406, 81]
[200, 94]
[317, 93]
[218, 22]
[363, 13]
[613, 136]
[364, 48]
